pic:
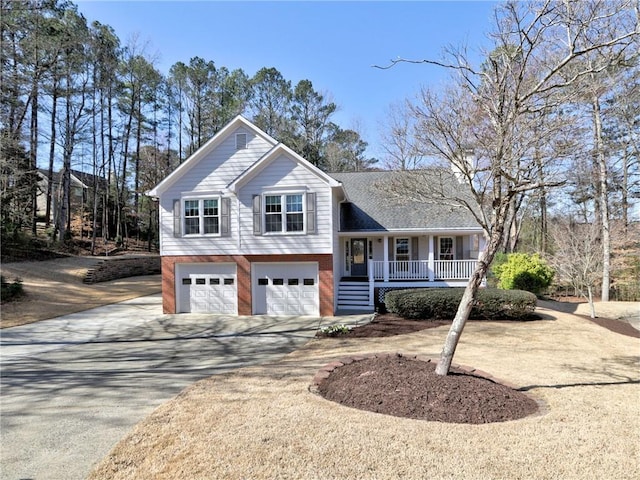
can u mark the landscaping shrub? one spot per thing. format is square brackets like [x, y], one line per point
[391, 298]
[503, 304]
[442, 303]
[335, 330]
[524, 272]
[10, 290]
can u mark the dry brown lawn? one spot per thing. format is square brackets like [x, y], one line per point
[47, 297]
[263, 422]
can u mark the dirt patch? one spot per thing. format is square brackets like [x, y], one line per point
[408, 387]
[47, 299]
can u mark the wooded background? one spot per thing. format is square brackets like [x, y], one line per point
[76, 102]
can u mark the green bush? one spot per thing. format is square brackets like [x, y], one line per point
[442, 303]
[10, 290]
[524, 272]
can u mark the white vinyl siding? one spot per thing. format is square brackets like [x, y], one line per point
[283, 176]
[221, 166]
[210, 175]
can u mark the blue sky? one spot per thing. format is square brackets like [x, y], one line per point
[334, 44]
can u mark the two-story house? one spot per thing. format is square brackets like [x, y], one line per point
[248, 226]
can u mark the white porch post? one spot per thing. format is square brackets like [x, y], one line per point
[385, 257]
[482, 244]
[371, 284]
[432, 265]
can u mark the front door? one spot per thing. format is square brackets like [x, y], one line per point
[359, 257]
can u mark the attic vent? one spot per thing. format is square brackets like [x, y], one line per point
[241, 141]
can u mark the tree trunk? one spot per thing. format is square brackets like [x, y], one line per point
[136, 195]
[94, 159]
[33, 155]
[64, 219]
[52, 147]
[543, 222]
[625, 194]
[603, 199]
[592, 307]
[468, 298]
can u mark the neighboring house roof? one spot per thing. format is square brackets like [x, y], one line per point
[78, 178]
[383, 201]
[89, 179]
[205, 149]
[271, 155]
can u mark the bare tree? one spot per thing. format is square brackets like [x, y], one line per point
[398, 136]
[493, 109]
[577, 257]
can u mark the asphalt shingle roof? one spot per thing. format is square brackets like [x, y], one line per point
[380, 201]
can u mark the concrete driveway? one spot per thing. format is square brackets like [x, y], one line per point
[72, 386]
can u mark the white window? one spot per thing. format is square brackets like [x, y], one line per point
[284, 213]
[446, 249]
[403, 250]
[202, 216]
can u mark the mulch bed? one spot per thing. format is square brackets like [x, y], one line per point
[407, 387]
[387, 325]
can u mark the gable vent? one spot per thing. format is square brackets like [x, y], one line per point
[241, 141]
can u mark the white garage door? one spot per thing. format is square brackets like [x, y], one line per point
[207, 288]
[285, 288]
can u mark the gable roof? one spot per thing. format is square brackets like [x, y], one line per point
[270, 156]
[78, 177]
[211, 144]
[376, 205]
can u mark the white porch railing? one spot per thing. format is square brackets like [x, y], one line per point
[421, 270]
[454, 269]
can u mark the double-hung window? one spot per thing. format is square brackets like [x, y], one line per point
[202, 216]
[446, 248]
[403, 252]
[284, 213]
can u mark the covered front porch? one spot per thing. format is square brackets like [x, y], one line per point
[376, 263]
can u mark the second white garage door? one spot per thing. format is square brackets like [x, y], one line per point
[285, 288]
[207, 288]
